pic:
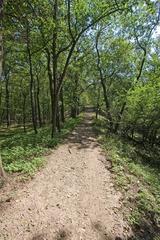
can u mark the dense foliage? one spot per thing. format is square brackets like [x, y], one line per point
[61, 55]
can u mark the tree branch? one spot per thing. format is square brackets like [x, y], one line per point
[69, 20]
[77, 39]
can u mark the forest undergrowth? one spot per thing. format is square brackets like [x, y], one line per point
[136, 174]
[23, 152]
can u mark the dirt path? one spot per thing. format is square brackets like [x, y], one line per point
[72, 198]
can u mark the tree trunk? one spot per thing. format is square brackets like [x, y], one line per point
[2, 173]
[1, 56]
[62, 106]
[32, 93]
[1, 110]
[103, 84]
[97, 105]
[58, 119]
[73, 112]
[54, 70]
[35, 102]
[24, 112]
[43, 114]
[53, 99]
[7, 101]
[38, 104]
[54, 114]
[119, 117]
[74, 107]
[1, 40]
[107, 103]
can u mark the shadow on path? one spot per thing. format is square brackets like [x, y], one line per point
[61, 235]
[145, 231]
[83, 136]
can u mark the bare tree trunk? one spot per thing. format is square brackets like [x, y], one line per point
[1, 55]
[24, 112]
[2, 173]
[119, 117]
[7, 101]
[58, 119]
[38, 104]
[32, 93]
[35, 101]
[1, 112]
[54, 114]
[1, 39]
[75, 102]
[1, 50]
[62, 106]
[103, 85]
[53, 85]
[97, 107]
[2, 67]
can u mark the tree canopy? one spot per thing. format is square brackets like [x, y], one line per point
[59, 56]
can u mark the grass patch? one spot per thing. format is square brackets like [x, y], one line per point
[28, 167]
[22, 152]
[138, 179]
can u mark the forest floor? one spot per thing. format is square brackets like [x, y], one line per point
[72, 197]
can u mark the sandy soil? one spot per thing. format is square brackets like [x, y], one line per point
[71, 198]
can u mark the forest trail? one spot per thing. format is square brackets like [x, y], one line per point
[71, 198]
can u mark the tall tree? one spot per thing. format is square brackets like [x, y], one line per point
[1, 39]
